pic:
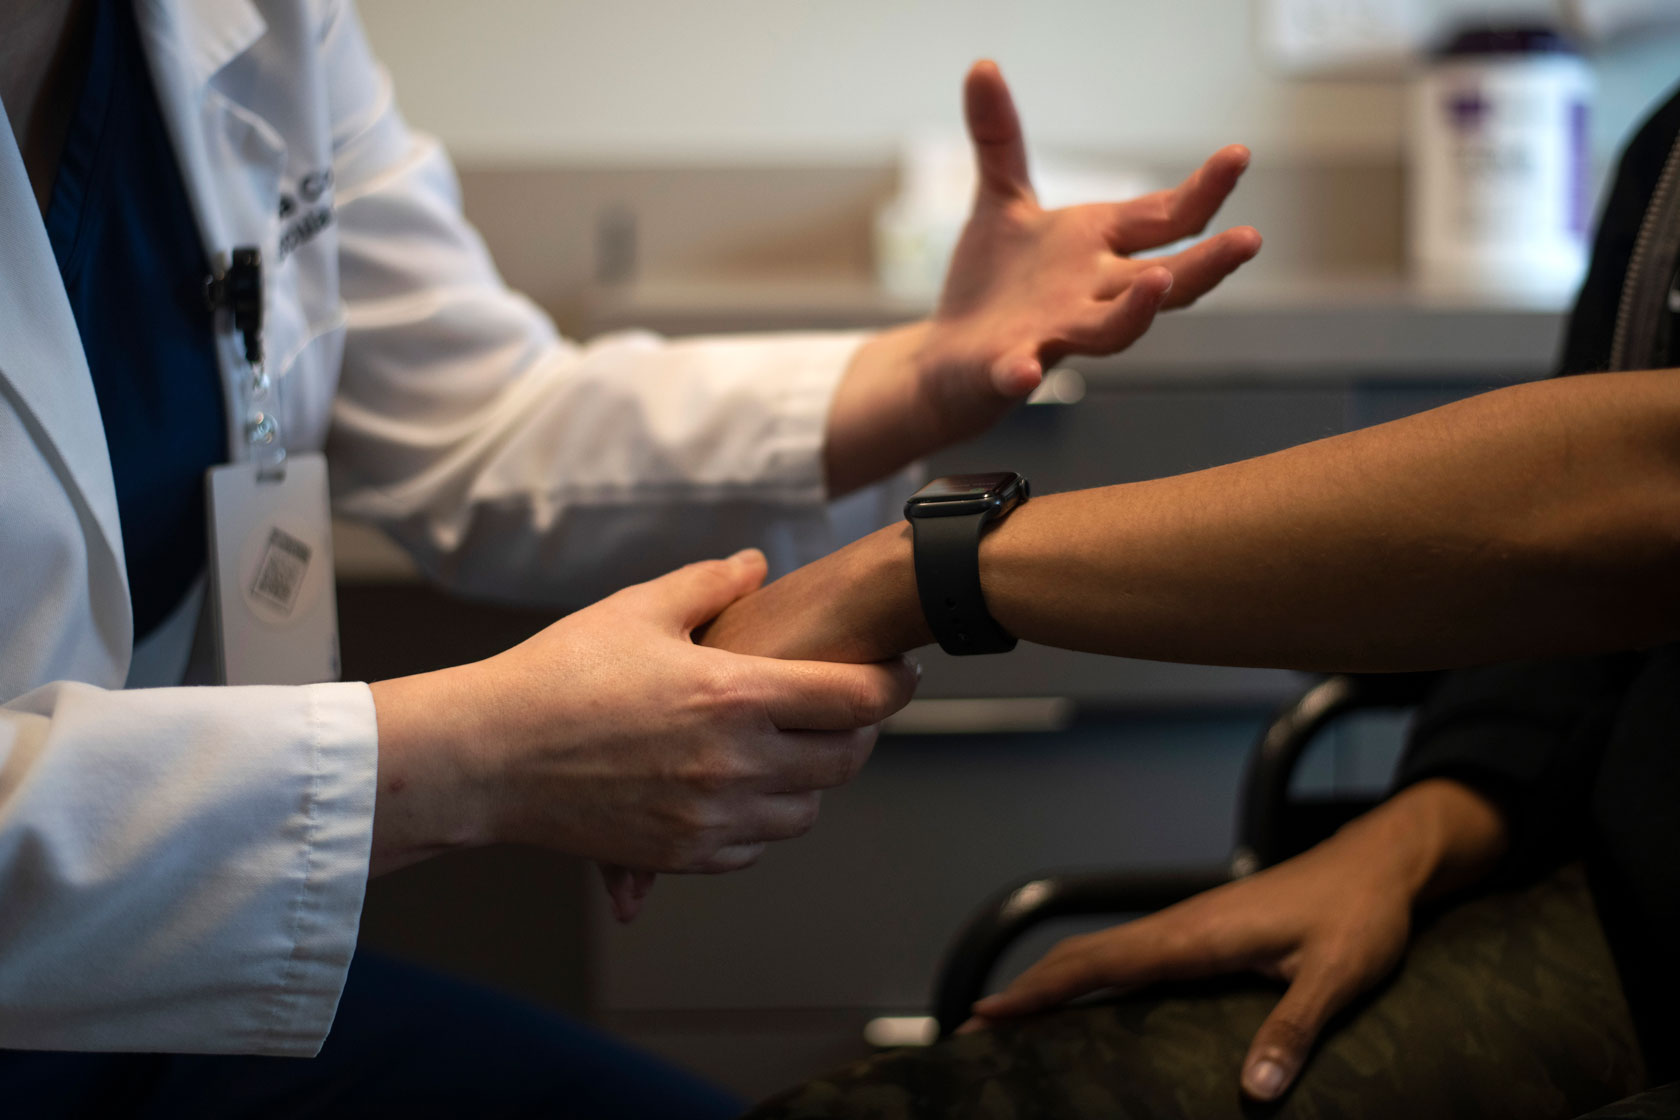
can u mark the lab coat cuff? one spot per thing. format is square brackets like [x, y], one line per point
[337, 826]
[808, 374]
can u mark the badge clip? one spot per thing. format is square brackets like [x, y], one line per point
[238, 290]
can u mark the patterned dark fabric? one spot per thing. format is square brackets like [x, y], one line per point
[1658, 1104]
[1506, 1006]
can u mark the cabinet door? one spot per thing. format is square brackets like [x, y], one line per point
[856, 914]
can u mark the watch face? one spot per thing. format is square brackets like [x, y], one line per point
[966, 493]
[961, 486]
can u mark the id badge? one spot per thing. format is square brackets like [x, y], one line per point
[271, 572]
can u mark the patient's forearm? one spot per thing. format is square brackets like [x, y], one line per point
[1540, 519]
[1544, 518]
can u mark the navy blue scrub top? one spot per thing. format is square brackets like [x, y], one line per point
[133, 266]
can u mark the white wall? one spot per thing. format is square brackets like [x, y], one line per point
[839, 80]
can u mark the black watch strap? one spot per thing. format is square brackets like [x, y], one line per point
[948, 582]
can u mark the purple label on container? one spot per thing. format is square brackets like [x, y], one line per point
[1467, 108]
[1579, 123]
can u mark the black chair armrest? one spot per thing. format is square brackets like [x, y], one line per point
[1261, 837]
[1003, 918]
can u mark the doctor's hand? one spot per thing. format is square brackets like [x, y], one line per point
[612, 736]
[1329, 923]
[1026, 287]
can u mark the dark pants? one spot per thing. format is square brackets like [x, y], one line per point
[406, 1042]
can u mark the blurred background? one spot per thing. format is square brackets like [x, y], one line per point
[775, 164]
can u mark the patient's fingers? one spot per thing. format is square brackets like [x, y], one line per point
[1067, 971]
[1123, 957]
[1284, 1040]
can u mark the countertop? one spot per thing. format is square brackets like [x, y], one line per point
[1292, 329]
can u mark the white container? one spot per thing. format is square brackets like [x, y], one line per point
[1499, 192]
[916, 232]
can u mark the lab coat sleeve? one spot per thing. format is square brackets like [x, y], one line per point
[182, 869]
[515, 464]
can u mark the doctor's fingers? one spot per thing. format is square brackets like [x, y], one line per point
[1162, 217]
[718, 830]
[800, 762]
[779, 816]
[1199, 269]
[697, 593]
[733, 857]
[1106, 326]
[995, 128]
[828, 695]
[626, 889]
[757, 822]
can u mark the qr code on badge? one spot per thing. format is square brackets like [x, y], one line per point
[280, 575]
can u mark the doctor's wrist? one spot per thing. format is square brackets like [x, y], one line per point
[878, 421]
[432, 795]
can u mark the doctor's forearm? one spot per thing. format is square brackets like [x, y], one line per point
[1539, 519]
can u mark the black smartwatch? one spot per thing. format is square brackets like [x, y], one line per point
[947, 517]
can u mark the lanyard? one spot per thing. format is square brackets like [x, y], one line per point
[238, 290]
[271, 584]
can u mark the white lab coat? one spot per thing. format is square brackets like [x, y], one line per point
[183, 868]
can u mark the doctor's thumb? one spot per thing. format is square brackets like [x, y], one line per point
[697, 593]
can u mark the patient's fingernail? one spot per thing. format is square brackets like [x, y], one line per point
[970, 1027]
[1265, 1079]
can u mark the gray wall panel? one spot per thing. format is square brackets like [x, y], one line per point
[857, 913]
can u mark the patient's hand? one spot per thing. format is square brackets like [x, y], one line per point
[1330, 923]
